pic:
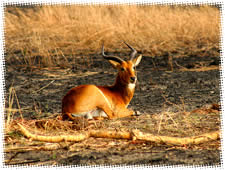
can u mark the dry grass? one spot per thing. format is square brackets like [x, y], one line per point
[10, 110]
[49, 35]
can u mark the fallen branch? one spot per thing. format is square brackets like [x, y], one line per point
[177, 140]
[134, 135]
[110, 134]
[61, 138]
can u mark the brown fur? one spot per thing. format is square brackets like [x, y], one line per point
[113, 100]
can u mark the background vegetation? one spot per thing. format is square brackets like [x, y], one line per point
[49, 35]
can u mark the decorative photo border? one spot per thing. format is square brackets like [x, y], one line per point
[3, 3]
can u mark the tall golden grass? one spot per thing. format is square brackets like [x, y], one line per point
[63, 31]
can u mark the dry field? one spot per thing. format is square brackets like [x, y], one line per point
[50, 35]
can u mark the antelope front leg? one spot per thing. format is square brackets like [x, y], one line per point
[118, 112]
[108, 111]
[123, 112]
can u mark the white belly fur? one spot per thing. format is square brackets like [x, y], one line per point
[91, 114]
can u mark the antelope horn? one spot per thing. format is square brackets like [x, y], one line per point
[133, 53]
[117, 59]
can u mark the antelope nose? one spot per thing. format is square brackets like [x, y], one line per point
[132, 79]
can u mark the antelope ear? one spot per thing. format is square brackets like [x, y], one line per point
[137, 60]
[115, 64]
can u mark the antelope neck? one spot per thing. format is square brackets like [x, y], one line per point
[125, 91]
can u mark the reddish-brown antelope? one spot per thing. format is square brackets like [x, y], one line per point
[91, 101]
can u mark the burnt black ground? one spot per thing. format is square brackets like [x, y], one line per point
[193, 89]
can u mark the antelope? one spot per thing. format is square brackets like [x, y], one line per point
[91, 101]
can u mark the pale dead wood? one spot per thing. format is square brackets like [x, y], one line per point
[110, 134]
[61, 138]
[177, 140]
[134, 135]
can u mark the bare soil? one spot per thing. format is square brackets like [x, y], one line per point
[193, 83]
